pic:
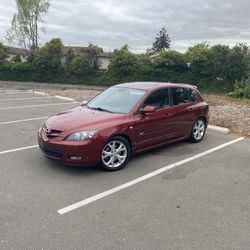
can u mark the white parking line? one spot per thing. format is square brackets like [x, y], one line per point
[40, 105]
[142, 178]
[24, 99]
[24, 120]
[17, 149]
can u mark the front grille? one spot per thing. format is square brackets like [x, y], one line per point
[51, 133]
[55, 153]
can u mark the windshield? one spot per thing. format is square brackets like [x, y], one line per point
[117, 100]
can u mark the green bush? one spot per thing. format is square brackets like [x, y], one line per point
[212, 69]
[124, 66]
[18, 72]
[241, 91]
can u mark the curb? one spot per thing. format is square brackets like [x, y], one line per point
[59, 97]
[218, 129]
[64, 98]
[40, 93]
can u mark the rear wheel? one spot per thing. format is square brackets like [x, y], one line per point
[115, 154]
[198, 130]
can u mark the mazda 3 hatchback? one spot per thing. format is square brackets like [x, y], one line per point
[124, 120]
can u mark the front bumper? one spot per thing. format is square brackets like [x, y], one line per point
[73, 153]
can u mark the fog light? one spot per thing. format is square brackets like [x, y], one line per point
[75, 158]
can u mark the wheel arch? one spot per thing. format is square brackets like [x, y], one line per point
[204, 118]
[125, 137]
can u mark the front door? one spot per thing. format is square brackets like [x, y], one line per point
[155, 128]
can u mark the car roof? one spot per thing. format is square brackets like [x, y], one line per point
[153, 85]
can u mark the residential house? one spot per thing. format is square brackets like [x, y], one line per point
[104, 57]
[13, 51]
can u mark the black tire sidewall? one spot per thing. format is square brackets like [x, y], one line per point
[127, 145]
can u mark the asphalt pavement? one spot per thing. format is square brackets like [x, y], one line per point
[198, 199]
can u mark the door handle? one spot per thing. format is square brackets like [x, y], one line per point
[191, 109]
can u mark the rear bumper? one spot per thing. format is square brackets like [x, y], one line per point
[79, 154]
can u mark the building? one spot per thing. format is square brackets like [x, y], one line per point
[104, 57]
[13, 51]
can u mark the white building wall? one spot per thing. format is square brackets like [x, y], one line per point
[23, 58]
[104, 63]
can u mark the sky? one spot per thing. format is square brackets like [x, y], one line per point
[112, 23]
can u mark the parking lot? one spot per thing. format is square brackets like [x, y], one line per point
[182, 196]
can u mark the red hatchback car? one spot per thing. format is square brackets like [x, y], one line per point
[124, 120]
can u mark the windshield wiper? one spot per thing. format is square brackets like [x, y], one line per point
[100, 109]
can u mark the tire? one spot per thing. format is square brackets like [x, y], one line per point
[198, 130]
[115, 154]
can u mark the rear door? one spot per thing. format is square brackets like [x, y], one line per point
[183, 110]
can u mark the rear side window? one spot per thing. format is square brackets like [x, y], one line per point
[183, 95]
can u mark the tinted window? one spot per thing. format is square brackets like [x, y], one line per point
[193, 95]
[183, 95]
[159, 99]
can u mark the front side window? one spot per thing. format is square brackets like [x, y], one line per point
[159, 99]
[183, 95]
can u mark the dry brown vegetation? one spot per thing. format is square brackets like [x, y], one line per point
[231, 113]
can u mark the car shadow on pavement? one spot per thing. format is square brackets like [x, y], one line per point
[170, 151]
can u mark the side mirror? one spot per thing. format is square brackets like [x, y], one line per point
[148, 109]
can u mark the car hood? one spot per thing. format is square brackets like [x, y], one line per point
[82, 118]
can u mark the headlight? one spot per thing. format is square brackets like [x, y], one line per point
[81, 136]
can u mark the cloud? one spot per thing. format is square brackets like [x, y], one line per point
[112, 23]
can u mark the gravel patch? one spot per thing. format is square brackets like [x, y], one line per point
[230, 113]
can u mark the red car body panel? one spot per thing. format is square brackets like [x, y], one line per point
[144, 132]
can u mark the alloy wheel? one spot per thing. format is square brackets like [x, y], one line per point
[198, 130]
[114, 154]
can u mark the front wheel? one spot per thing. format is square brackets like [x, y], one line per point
[115, 154]
[198, 130]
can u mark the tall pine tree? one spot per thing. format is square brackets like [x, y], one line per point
[162, 41]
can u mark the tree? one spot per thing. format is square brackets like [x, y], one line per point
[3, 54]
[171, 59]
[48, 60]
[162, 41]
[27, 23]
[171, 66]
[16, 58]
[221, 58]
[146, 66]
[124, 66]
[92, 52]
[238, 64]
[69, 61]
[88, 63]
[200, 60]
